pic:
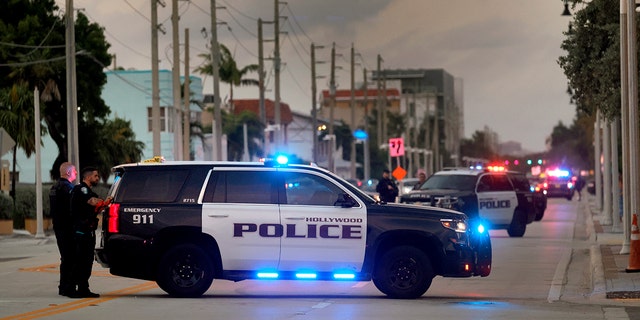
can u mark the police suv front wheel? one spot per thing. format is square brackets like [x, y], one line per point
[403, 272]
[185, 271]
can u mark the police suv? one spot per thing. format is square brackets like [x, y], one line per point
[482, 195]
[183, 224]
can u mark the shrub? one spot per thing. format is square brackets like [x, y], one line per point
[26, 201]
[6, 207]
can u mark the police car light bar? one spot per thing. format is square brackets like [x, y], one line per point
[558, 173]
[306, 275]
[344, 276]
[267, 275]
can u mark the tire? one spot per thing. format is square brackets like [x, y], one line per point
[518, 225]
[539, 214]
[403, 272]
[185, 271]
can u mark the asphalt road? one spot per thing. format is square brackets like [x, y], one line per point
[544, 275]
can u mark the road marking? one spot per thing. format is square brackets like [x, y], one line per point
[321, 305]
[82, 303]
[558, 278]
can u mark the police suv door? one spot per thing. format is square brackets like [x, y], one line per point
[319, 236]
[240, 211]
[496, 198]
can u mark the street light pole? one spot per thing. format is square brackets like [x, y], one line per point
[217, 115]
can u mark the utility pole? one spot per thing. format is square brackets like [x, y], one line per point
[217, 115]
[332, 103]
[632, 57]
[379, 104]
[353, 113]
[276, 68]
[367, 170]
[175, 75]
[314, 108]
[624, 115]
[383, 114]
[155, 80]
[186, 115]
[72, 100]
[263, 113]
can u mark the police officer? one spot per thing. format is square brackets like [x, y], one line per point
[422, 177]
[387, 188]
[85, 205]
[60, 199]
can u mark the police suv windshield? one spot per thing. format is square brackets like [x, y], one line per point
[451, 182]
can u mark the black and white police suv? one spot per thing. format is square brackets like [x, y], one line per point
[483, 195]
[183, 224]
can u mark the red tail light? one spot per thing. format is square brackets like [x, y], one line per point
[113, 218]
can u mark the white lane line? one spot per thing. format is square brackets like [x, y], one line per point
[559, 276]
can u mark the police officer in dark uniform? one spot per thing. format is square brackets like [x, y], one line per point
[85, 205]
[387, 188]
[60, 199]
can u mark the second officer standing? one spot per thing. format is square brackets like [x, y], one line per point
[85, 205]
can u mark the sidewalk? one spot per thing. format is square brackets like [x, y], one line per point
[608, 265]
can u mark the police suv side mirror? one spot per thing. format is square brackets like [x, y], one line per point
[345, 201]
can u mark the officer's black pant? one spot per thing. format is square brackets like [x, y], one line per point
[85, 244]
[67, 247]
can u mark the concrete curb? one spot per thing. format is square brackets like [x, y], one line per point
[598, 281]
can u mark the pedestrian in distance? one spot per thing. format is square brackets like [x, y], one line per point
[422, 177]
[60, 201]
[579, 186]
[386, 188]
[85, 206]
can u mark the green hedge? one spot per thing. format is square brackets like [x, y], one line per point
[6, 207]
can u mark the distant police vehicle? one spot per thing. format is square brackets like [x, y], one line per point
[482, 195]
[559, 183]
[183, 224]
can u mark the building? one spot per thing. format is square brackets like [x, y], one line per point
[428, 93]
[128, 95]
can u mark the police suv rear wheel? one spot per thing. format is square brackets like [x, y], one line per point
[518, 224]
[404, 272]
[185, 271]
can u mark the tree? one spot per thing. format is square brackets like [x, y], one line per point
[229, 71]
[117, 145]
[17, 118]
[32, 42]
[477, 147]
[592, 63]
[233, 128]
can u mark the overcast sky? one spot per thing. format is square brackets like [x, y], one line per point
[505, 51]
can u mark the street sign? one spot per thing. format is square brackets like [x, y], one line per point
[399, 173]
[396, 147]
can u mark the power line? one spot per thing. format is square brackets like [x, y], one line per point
[298, 39]
[296, 21]
[16, 45]
[298, 53]
[137, 11]
[238, 11]
[28, 63]
[120, 42]
[134, 85]
[304, 91]
[241, 44]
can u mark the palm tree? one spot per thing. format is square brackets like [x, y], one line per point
[118, 145]
[17, 118]
[229, 71]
